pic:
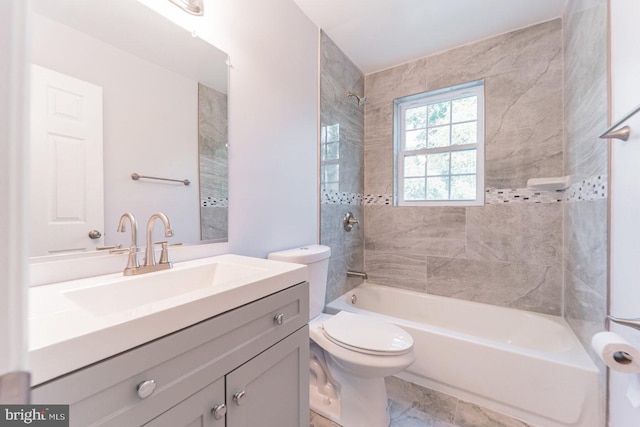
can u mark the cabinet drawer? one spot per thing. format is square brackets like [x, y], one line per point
[180, 363]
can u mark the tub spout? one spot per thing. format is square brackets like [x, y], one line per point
[357, 274]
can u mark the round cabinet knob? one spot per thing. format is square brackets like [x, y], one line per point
[146, 388]
[95, 234]
[239, 397]
[279, 319]
[219, 411]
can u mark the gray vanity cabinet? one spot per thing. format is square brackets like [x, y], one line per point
[269, 389]
[246, 367]
[197, 410]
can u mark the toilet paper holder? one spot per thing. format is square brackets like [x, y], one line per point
[632, 323]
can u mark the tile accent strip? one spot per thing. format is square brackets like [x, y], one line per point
[212, 202]
[497, 196]
[593, 188]
[378, 199]
[589, 189]
[340, 198]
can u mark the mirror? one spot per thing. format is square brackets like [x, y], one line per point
[164, 114]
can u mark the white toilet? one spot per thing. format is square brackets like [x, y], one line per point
[350, 353]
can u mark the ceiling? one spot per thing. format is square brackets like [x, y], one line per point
[378, 34]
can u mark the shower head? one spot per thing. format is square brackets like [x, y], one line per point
[361, 99]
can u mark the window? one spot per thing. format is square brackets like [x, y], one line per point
[439, 147]
[330, 157]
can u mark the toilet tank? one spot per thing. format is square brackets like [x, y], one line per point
[316, 258]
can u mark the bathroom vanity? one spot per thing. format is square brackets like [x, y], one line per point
[243, 366]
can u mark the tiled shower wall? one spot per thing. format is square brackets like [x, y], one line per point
[508, 252]
[586, 156]
[213, 163]
[338, 77]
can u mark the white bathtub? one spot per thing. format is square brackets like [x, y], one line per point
[526, 365]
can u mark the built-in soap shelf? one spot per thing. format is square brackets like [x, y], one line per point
[560, 183]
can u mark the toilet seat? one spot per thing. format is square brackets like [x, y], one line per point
[354, 360]
[367, 335]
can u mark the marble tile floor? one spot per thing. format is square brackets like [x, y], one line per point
[413, 406]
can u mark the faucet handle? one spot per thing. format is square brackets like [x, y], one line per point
[164, 254]
[132, 262]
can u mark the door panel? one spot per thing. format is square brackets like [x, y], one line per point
[196, 410]
[269, 398]
[66, 169]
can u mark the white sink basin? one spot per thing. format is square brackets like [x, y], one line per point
[76, 323]
[131, 292]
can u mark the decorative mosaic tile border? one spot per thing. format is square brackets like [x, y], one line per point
[593, 188]
[340, 198]
[378, 199]
[212, 202]
[496, 196]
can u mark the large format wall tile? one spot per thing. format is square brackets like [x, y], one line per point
[528, 233]
[585, 221]
[398, 269]
[500, 254]
[437, 231]
[338, 77]
[213, 163]
[509, 284]
[333, 233]
[585, 242]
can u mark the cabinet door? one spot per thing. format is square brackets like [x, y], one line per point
[197, 410]
[272, 389]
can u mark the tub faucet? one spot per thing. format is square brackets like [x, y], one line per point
[357, 274]
[150, 261]
[132, 263]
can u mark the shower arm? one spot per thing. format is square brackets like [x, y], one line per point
[361, 99]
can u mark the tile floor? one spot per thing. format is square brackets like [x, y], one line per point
[411, 405]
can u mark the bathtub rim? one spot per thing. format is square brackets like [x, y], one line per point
[576, 355]
[575, 358]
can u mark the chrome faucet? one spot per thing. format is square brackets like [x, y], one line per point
[133, 267]
[132, 263]
[357, 274]
[150, 261]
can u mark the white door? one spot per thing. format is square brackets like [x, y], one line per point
[625, 197]
[67, 212]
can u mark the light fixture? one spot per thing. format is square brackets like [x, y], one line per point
[194, 7]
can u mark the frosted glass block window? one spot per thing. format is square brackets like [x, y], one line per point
[330, 157]
[439, 147]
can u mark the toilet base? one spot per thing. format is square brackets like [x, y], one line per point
[359, 402]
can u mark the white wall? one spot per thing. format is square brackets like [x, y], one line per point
[625, 199]
[150, 127]
[273, 128]
[273, 119]
[13, 87]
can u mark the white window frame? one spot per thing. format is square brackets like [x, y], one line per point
[328, 162]
[433, 97]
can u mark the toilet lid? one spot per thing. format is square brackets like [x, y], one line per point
[367, 334]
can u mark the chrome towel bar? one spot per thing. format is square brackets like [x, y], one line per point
[632, 323]
[622, 133]
[136, 177]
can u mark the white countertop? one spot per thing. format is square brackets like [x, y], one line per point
[66, 334]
